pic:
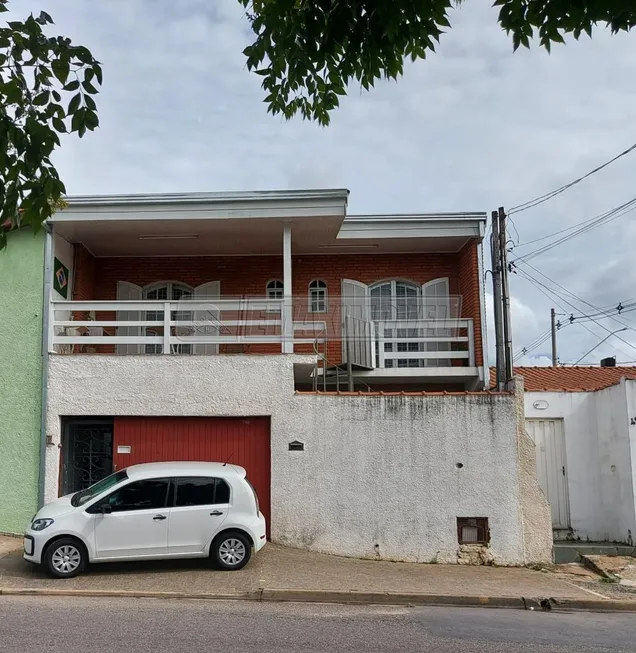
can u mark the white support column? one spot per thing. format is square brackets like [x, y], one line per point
[288, 315]
[166, 328]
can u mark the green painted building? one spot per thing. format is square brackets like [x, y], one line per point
[21, 298]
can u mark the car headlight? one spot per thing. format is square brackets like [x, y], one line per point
[41, 524]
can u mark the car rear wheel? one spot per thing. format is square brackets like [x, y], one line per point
[231, 551]
[65, 558]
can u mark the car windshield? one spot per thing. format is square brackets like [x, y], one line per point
[81, 497]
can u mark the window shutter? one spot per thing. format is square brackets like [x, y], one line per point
[127, 291]
[210, 319]
[355, 303]
[436, 306]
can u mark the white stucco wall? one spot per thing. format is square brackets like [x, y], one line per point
[630, 392]
[378, 477]
[598, 460]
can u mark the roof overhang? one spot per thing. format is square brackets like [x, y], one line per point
[439, 232]
[251, 223]
[202, 224]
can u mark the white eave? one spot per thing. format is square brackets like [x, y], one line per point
[426, 225]
[205, 206]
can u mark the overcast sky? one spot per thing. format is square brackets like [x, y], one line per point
[470, 129]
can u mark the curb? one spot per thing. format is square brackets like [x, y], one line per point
[592, 566]
[351, 597]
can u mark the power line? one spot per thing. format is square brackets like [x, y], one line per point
[544, 198]
[528, 276]
[588, 225]
[584, 302]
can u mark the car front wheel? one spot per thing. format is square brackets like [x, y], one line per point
[231, 551]
[65, 558]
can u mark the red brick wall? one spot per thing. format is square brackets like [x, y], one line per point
[469, 283]
[84, 274]
[247, 276]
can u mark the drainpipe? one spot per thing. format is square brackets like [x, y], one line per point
[46, 314]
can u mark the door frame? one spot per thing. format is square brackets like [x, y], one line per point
[67, 423]
[564, 473]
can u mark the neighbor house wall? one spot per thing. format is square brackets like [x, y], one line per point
[380, 476]
[617, 490]
[630, 392]
[21, 296]
[599, 457]
[578, 411]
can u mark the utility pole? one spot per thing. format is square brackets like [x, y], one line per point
[497, 305]
[554, 343]
[505, 297]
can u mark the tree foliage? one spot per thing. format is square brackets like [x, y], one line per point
[46, 88]
[308, 51]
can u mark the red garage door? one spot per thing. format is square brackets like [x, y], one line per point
[237, 440]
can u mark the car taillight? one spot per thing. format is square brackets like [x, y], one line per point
[255, 495]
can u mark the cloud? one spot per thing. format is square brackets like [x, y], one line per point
[471, 128]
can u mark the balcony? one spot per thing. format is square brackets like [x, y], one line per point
[376, 353]
[177, 327]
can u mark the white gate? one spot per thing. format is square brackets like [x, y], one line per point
[551, 467]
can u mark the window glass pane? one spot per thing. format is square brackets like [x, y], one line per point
[142, 495]
[195, 491]
[222, 491]
[275, 289]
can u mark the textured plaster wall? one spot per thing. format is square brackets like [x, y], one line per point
[21, 289]
[535, 510]
[379, 475]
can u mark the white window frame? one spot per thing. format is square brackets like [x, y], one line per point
[394, 312]
[275, 291]
[315, 291]
[169, 286]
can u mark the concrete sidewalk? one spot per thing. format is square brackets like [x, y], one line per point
[279, 573]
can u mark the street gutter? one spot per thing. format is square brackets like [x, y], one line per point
[351, 597]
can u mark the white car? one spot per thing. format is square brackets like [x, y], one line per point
[151, 511]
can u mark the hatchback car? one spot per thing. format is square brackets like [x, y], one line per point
[151, 511]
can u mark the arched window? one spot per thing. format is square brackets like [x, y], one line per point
[394, 300]
[274, 289]
[167, 291]
[317, 296]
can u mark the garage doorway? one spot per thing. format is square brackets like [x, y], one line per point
[243, 441]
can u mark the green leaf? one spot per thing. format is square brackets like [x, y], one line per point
[90, 103]
[41, 99]
[74, 104]
[98, 73]
[77, 122]
[72, 86]
[60, 69]
[89, 88]
[59, 125]
[91, 120]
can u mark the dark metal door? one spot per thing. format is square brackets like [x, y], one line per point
[87, 454]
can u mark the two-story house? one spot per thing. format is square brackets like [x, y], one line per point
[339, 359]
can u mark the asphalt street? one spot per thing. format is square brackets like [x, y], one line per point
[89, 625]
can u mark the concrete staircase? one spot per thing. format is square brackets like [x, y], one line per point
[564, 552]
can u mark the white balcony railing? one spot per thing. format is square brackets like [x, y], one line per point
[175, 327]
[410, 343]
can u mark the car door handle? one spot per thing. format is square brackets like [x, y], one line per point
[216, 513]
[159, 517]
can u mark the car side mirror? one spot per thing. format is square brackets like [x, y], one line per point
[106, 509]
